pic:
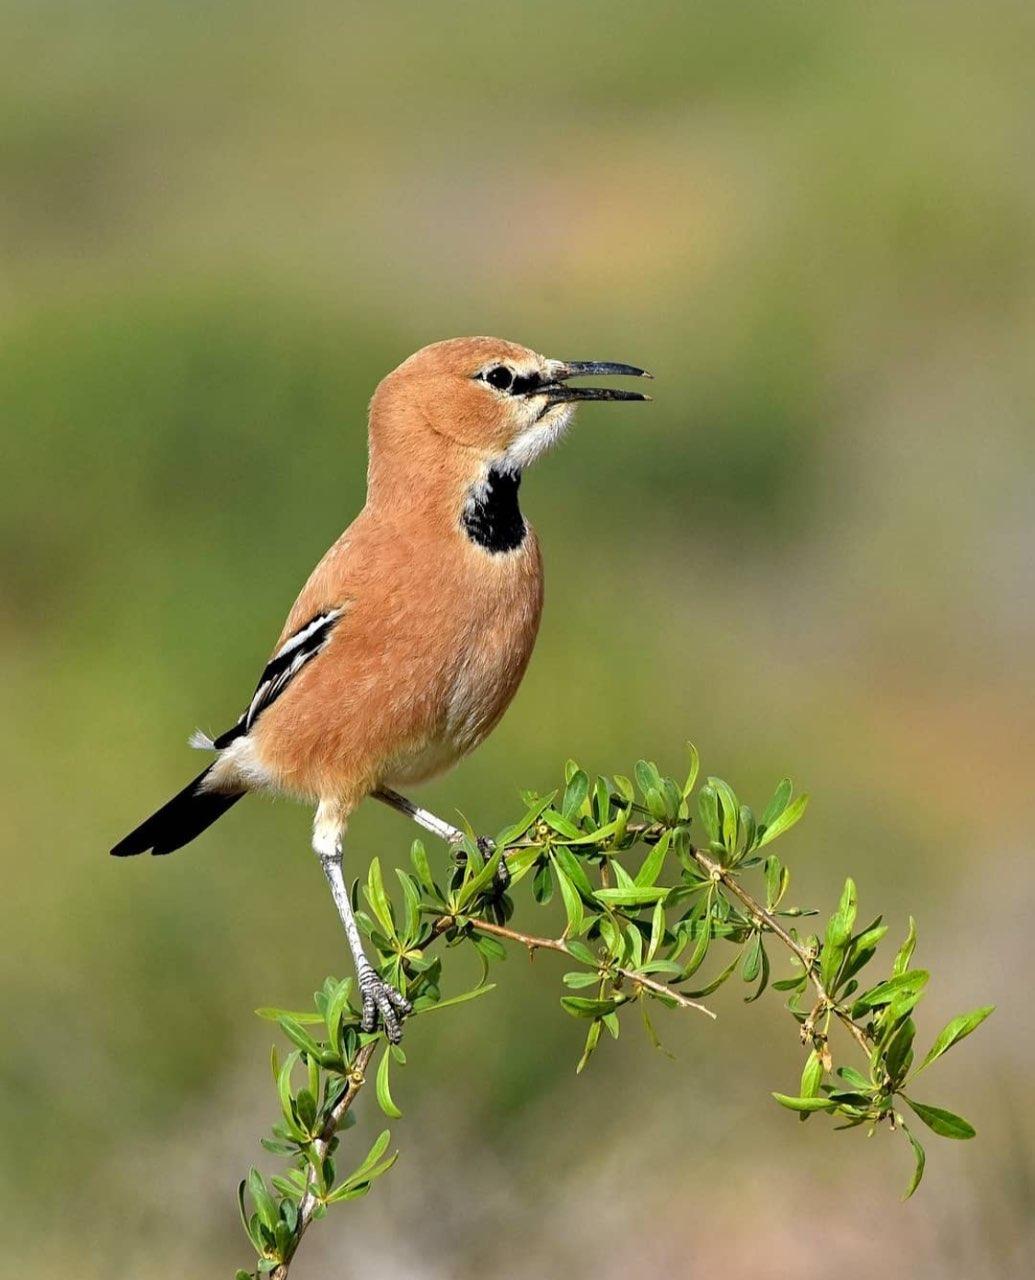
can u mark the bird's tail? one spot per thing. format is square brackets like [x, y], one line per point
[178, 822]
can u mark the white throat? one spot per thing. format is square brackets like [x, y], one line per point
[536, 439]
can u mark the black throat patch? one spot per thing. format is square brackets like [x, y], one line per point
[492, 517]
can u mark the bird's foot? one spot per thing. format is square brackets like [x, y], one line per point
[501, 880]
[486, 847]
[382, 1003]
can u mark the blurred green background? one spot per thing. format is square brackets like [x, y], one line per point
[221, 224]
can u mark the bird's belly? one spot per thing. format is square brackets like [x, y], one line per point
[421, 763]
[471, 705]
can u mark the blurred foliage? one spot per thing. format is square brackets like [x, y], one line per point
[219, 226]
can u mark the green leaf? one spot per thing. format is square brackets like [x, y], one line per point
[702, 923]
[573, 869]
[411, 898]
[918, 1156]
[763, 980]
[729, 809]
[855, 1078]
[305, 1104]
[639, 896]
[708, 810]
[559, 823]
[601, 801]
[384, 1092]
[335, 1010]
[838, 934]
[488, 946]
[581, 952]
[955, 1031]
[905, 952]
[372, 1167]
[378, 899]
[785, 821]
[777, 804]
[943, 1122]
[624, 787]
[299, 1036]
[647, 776]
[509, 834]
[592, 1039]
[251, 1223]
[261, 1198]
[715, 983]
[748, 826]
[542, 884]
[300, 1015]
[811, 1076]
[898, 1055]
[419, 1006]
[419, 858]
[910, 983]
[583, 1007]
[654, 861]
[481, 882]
[657, 931]
[842, 922]
[602, 834]
[695, 765]
[803, 1104]
[777, 878]
[374, 1154]
[580, 978]
[752, 959]
[570, 897]
[575, 795]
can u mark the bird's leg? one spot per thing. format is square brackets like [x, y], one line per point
[422, 817]
[380, 1000]
[453, 836]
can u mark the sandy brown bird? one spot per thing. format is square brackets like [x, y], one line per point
[412, 634]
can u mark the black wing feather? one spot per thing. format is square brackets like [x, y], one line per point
[299, 648]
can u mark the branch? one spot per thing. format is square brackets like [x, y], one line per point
[636, 931]
[335, 1119]
[805, 956]
[534, 944]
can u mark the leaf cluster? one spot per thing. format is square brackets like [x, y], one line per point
[662, 891]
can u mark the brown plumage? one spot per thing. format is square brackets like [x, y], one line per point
[412, 634]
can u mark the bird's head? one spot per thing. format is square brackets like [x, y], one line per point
[500, 404]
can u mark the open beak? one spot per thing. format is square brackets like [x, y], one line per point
[562, 370]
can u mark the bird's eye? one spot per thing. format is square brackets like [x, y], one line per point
[500, 377]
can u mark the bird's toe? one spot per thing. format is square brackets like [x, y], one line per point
[382, 1003]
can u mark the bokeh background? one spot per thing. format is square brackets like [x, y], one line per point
[221, 224]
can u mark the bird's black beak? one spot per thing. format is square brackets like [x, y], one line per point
[561, 370]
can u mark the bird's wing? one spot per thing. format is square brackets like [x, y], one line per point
[300, 647]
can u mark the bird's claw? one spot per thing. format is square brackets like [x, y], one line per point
[381, 1002]
[486, 847]
[501, 880]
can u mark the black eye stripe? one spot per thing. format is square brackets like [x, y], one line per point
[504, 379]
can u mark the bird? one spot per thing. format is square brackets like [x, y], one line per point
[411, 636]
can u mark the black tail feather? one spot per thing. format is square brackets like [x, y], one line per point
[178, 822]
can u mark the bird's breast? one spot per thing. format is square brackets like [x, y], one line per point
[491, 625]
[430, 651]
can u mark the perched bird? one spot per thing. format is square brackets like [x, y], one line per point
[412, 634]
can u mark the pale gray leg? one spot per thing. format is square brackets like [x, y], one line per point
[422, 817]
[439, 827]
[379, 999]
